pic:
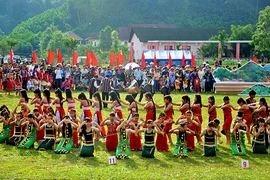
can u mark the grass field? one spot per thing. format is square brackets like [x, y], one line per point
[32, 164]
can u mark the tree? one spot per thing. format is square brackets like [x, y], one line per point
[115, 42]
[242, 33]
[4, 47]
[222, 38]
[12, 42]
[261, 37]
[70, 43]
[105, 38]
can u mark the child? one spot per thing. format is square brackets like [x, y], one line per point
[259, 133]
[18, 131]
[135, 139]
[178, 84]
[210, 134]
[180, 149]
[197, 84]
[4, 117]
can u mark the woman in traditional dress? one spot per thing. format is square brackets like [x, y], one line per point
[180, 149]
[111, 138]
[5, 119]
[149, 139]
[210, 134]
[132, 106]
[66, 125]
[70, 100]
[259, 133]
[85, 106]
[162, 142]
[123, 147]
[243, 107]
[60, 112]
[37, 100]
[168, 110]
[196, 109]
[75, 119]
[10, 82]
[238, 135]
[31, 126]
[46, 101]
[135, 139]
[39, 119]
[262, 109]
[227, 111]
[192, 124]
[18, 130]
[150, 108]
[184, 106]
[116, 104]
[50, 129]
[18, 83]
[87, 130]
[212, 111]
[97, 105]
[24, 97]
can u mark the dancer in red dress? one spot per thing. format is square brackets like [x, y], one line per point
[37, 100]
[70, 100]
[46, 101]
[116, 104]
[111, 138]
[212, 108]
[184, 106]
[262, 109]
[135, 140]
[150, 108]
[192, 124]
[10, 82]
[227, 111]
[18, 83]
[244, 108]
[97, 105]
[76, 120]
[132, 106]
[162, 142]
[60, 112]
[168, 110]
[196, 109]
[85, 105]
[39, 118]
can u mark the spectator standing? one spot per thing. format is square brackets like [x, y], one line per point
[58, 77]
[105, 89]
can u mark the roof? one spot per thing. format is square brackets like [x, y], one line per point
[92, 37]
[153, 25]
[124, 33]
[173, 34]
[73, 35]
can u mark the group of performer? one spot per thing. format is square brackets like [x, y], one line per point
[55, 129]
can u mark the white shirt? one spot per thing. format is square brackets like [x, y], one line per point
[31, 67]
[84, 71]
[151, 82]
[138, 74]
[200, 74]
[58, 74]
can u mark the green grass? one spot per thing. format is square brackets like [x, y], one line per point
[33, 164]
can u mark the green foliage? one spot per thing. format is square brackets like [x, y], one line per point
[261, 90]
[12, 42]
[70, 43]
[115, 42]
[105, 37]
[242, 33]
[261, 37]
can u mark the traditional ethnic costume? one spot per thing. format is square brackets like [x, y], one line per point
[38, 106]
[87, 149]
[60, 113]
[86, 112]
[112, 138]
[258, 143]
[238, 143]
[247, 117]
[4, 135]
[212, 115]
[198, 112]
[18, 135]
[123, 148]
[227, 120]
[190, 137]
[118, 111]
[180, 149]
[49, 138]
[209, 144]
[98, 118]
[149, 144]
[66, 142]
[132, 112]
[169, 115]
[162, 142]
[30, 138]
[45, 107]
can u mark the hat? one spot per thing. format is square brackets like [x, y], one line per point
[240, 114]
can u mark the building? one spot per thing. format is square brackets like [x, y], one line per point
[74, 36]
[93, 39]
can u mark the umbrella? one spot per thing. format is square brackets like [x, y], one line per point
[133, 65]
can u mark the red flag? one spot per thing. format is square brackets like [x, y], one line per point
[112, 59]
[131, 53]
[193, 61]
[143, 61]
[155, 60]
[170, 60]
[121, 59]
[88, 58]
[50, 57]
[183, 60]
[255, 60]
[11, 56]
[94, 59]
[59, 56]
[75, 57]
[34, 57]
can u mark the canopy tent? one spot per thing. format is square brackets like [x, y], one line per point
[163, 56]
